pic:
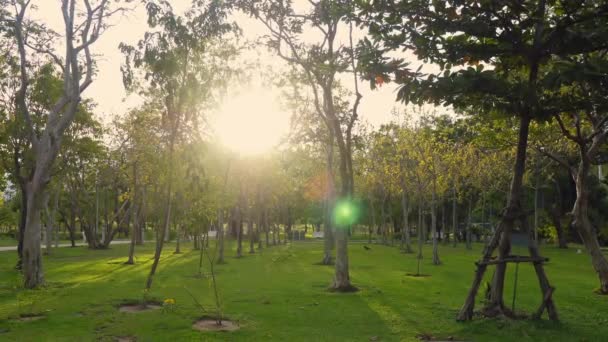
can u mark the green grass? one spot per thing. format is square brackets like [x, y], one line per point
[4, 241]
[279, 294]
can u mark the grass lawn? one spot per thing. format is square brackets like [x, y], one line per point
[278, 294]
[7, 242]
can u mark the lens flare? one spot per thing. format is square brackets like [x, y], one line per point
[346, 213]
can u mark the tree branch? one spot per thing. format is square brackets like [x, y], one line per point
[542, 150]
[21, 96]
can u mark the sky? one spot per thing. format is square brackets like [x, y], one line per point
[252, 113]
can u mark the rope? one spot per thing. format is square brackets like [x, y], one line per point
[515, 287]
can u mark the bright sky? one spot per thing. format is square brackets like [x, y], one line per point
[252, 121]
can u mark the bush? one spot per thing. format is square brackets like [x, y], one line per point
[548, 232]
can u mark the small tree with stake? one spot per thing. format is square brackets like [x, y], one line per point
[179, 66]
[516, 39]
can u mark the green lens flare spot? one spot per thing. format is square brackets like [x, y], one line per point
[345, 213]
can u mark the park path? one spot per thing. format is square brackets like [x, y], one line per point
[115, 242]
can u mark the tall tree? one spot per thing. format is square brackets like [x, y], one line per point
[582, 117]
[321, 62]
[517, 39]
[180, 66]
[83, 25]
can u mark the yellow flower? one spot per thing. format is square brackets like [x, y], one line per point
[169, 301]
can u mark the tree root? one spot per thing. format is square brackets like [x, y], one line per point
[500, 311]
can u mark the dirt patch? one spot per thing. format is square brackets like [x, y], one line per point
[320, 263]
[429, 337]
[30, 317]
[125, 339]
[137, 308]
[343, 289]
[209, 324]
[417, 275]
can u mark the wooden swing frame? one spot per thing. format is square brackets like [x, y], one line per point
[502, 236]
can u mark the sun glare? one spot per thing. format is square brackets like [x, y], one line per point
[251, 122]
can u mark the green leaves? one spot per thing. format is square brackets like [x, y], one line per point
[486, 50]
[180, 63]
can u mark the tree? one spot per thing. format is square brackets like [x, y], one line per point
[311, 133]
[582, 117]
[182, 68]
[83, 26]
[321, 62]
[517, 39]
[137, 140]
[433, 169]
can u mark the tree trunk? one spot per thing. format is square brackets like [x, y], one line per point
[556, 212]
[454, 218]
[50, 224]
[220, 236]
[391, 223]
[373, 223]
[251, 235]
[288, 226]
[342, 278]
[239, 234]
[178, 237]
[468, 228]
[444, 223]
[559, 229]
[97, 208]
[135, 217]
[133, 237]
[258, 229]
[436, 260]
[483, 215]
[502, 235]
[22, 213]
[72, 226]
[420, 238]
[285, 234]
[328, 229]
[167, 233]
[141, 226]
[31, 257]
[167, 219]
[260, 220]
[406, 244]
[536, 190]
[383, 219]
[328, 241]
[160, 238]
[583, 224]
[266, 228]
[57, 228]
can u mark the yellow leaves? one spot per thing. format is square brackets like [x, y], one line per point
[124, 196]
